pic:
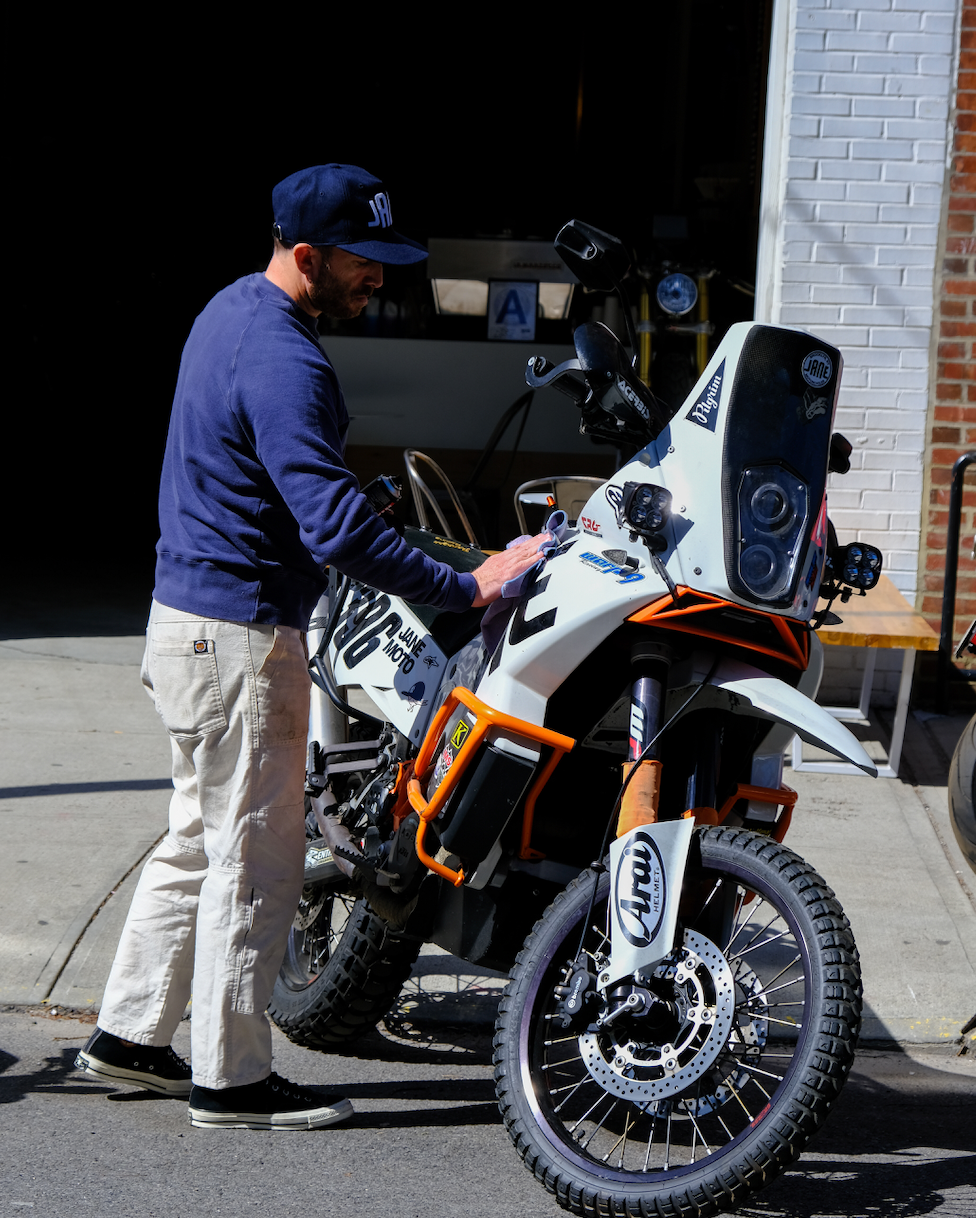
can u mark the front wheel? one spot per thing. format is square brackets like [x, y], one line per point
[688, 1090]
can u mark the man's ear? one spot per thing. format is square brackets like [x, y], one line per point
[308, 259]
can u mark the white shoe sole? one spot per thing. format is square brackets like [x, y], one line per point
[133, 1078]
[310, 1118]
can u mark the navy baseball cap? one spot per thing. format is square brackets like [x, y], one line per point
[341, 205]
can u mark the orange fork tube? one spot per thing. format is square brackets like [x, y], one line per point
[639, 804]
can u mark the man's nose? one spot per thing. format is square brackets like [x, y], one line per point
[374, 274]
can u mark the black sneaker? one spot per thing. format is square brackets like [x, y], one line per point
[273, 1103]
[148, 1066]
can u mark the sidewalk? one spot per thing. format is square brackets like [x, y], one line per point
[84, 791]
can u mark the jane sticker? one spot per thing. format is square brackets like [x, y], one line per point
[817, 369]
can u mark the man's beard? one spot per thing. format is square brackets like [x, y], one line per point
[335, 299]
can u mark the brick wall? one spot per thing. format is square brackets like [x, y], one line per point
[952, 422]
[866, 109]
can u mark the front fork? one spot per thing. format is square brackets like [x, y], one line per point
[648, 857]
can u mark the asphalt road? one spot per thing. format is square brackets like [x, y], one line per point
[426, 1140]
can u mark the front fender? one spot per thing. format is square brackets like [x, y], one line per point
[745, 690]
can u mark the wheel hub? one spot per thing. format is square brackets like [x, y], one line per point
[703, 993]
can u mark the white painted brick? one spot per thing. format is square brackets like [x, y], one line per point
[885, 107]
[876, 402]
[835, 293]
[826, 19]
[821, 105]
[844, 337]
[806, 82]
[933, 107]
[802, 169]
[814, 232]
[809, 40]
[881, 150]
[889, 21]
[810, 272]
[798, 251]
[912, 400]
[855, 378]
[842, 500]
[895, 337]
[881, 420]
[923, 235]
[919, 276]
[865, 255]
[883, 61]
[809, 315]
[909, 442]
[849, 419]
[849, 83]
[914, 359]
[907, 483]
[870, 358]
[823, 61]
[905, 255]
[863, 213]
[939, 23]
[881, 192]
[864, 41]
[849, 128]
[910, 213]
[914, 86]
[804, 146]
[898, 378]
[913, 129]
[942, 6]
[932, 171]
[850, 171]
[797, 212]
[874, 480]
[859, 519]
[903, 295]
[874, 316]
[906, 522]
[919, 317]
[926, 196]
[802, 125]
[930, 150]
[923, 43]
[795, 293]
[807, 189]
[876, 234]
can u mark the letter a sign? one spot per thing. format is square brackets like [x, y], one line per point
[512, 309]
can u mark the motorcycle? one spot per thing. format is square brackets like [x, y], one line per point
[586, 789]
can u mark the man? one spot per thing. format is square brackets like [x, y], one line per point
[255, 500]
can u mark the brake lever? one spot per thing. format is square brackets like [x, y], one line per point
[540, 373]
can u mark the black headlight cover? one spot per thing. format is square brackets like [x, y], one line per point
[777, 439]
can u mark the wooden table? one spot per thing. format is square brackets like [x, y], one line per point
[881, 620]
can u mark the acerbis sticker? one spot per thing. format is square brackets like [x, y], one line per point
[705, 410]
[817, 369]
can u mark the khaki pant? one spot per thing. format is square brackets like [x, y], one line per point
[216, 898]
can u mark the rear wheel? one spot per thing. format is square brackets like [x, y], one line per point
[687, 1092]
[343, 969]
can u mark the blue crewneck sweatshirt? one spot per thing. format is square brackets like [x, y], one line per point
[255, 498]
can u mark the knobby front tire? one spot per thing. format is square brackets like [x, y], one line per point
[715, 1088]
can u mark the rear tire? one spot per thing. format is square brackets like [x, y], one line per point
[342, 972]
[700, 1099]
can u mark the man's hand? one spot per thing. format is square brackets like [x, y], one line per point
[500, 568]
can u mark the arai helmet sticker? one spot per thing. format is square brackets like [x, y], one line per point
[817, 369]
[705, 410]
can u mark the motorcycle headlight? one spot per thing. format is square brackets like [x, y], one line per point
[773, 511]
[677, 294]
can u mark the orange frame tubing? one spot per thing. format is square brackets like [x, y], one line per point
[486, 718]
[670, 616]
